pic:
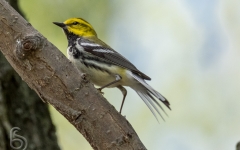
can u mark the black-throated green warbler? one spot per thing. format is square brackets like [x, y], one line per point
[104, 66]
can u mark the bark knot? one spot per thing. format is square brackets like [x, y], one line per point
[28, 45]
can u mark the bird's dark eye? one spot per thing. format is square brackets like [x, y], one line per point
[75, 23]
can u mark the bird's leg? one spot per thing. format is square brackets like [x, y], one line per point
[124, 92]
[118, 78]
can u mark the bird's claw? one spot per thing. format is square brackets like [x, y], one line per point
[84, 77]
[100, 90]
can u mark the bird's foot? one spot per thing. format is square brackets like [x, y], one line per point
[84, 77]
[100, 90]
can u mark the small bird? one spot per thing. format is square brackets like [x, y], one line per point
[104, 66]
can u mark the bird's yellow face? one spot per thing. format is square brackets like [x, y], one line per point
[79, 27]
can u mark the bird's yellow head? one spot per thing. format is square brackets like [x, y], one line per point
[77, 26]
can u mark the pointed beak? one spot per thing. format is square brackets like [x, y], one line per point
[62, 25]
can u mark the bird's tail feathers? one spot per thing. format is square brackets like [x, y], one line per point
[147, 94]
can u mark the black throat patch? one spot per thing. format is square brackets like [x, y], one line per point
[70, 37]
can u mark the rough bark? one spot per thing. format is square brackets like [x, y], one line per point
[47, 71]
[21, 107]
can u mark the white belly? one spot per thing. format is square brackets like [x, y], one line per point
[101, 78]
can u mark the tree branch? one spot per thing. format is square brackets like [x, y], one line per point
[47, 71]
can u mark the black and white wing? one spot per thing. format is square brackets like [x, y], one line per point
[102, 50]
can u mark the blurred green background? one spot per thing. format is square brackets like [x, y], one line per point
[191, 51]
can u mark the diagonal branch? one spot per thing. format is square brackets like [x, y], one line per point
[47, 71]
